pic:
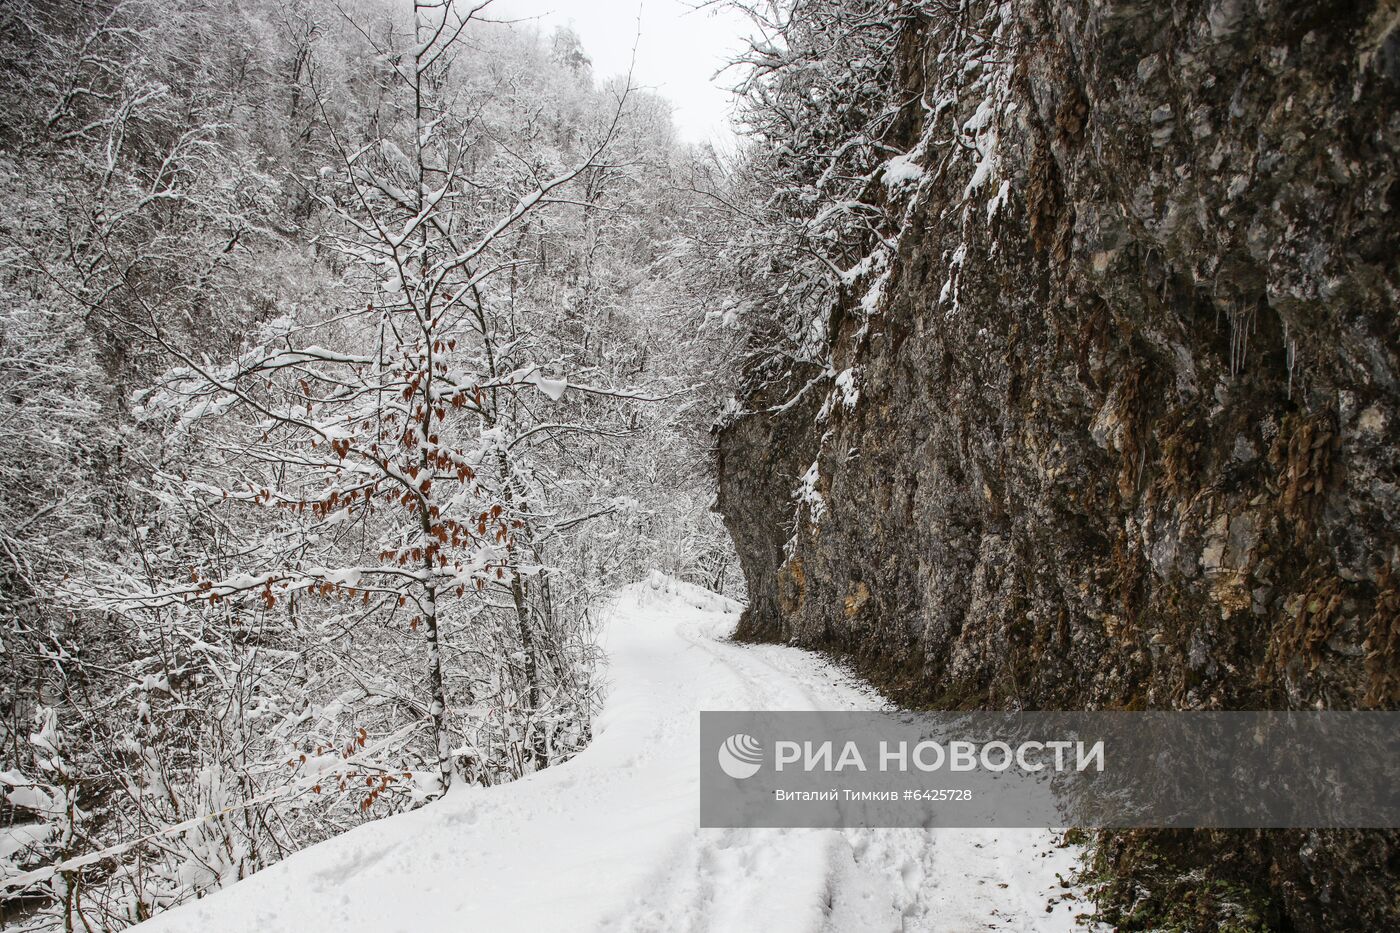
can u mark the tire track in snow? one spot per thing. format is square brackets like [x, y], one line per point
[889, 879]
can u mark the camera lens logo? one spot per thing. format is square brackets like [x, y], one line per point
[740, 756]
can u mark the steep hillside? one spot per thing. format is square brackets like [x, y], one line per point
[1114, 422]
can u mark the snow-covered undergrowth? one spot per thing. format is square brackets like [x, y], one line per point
[610, 840]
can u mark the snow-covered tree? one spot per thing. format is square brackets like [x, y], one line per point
[344, 383]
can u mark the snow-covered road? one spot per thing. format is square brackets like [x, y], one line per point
[610, 840]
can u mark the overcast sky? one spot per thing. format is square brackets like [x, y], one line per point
[678, 52]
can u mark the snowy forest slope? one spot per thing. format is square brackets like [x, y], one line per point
[340, 377]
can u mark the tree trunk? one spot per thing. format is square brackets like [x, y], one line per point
[526, 631]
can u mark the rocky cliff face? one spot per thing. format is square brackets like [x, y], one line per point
[1120, 426]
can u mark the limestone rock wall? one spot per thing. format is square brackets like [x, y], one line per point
[1126, 429]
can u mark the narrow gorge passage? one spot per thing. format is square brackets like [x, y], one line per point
[443, 439]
